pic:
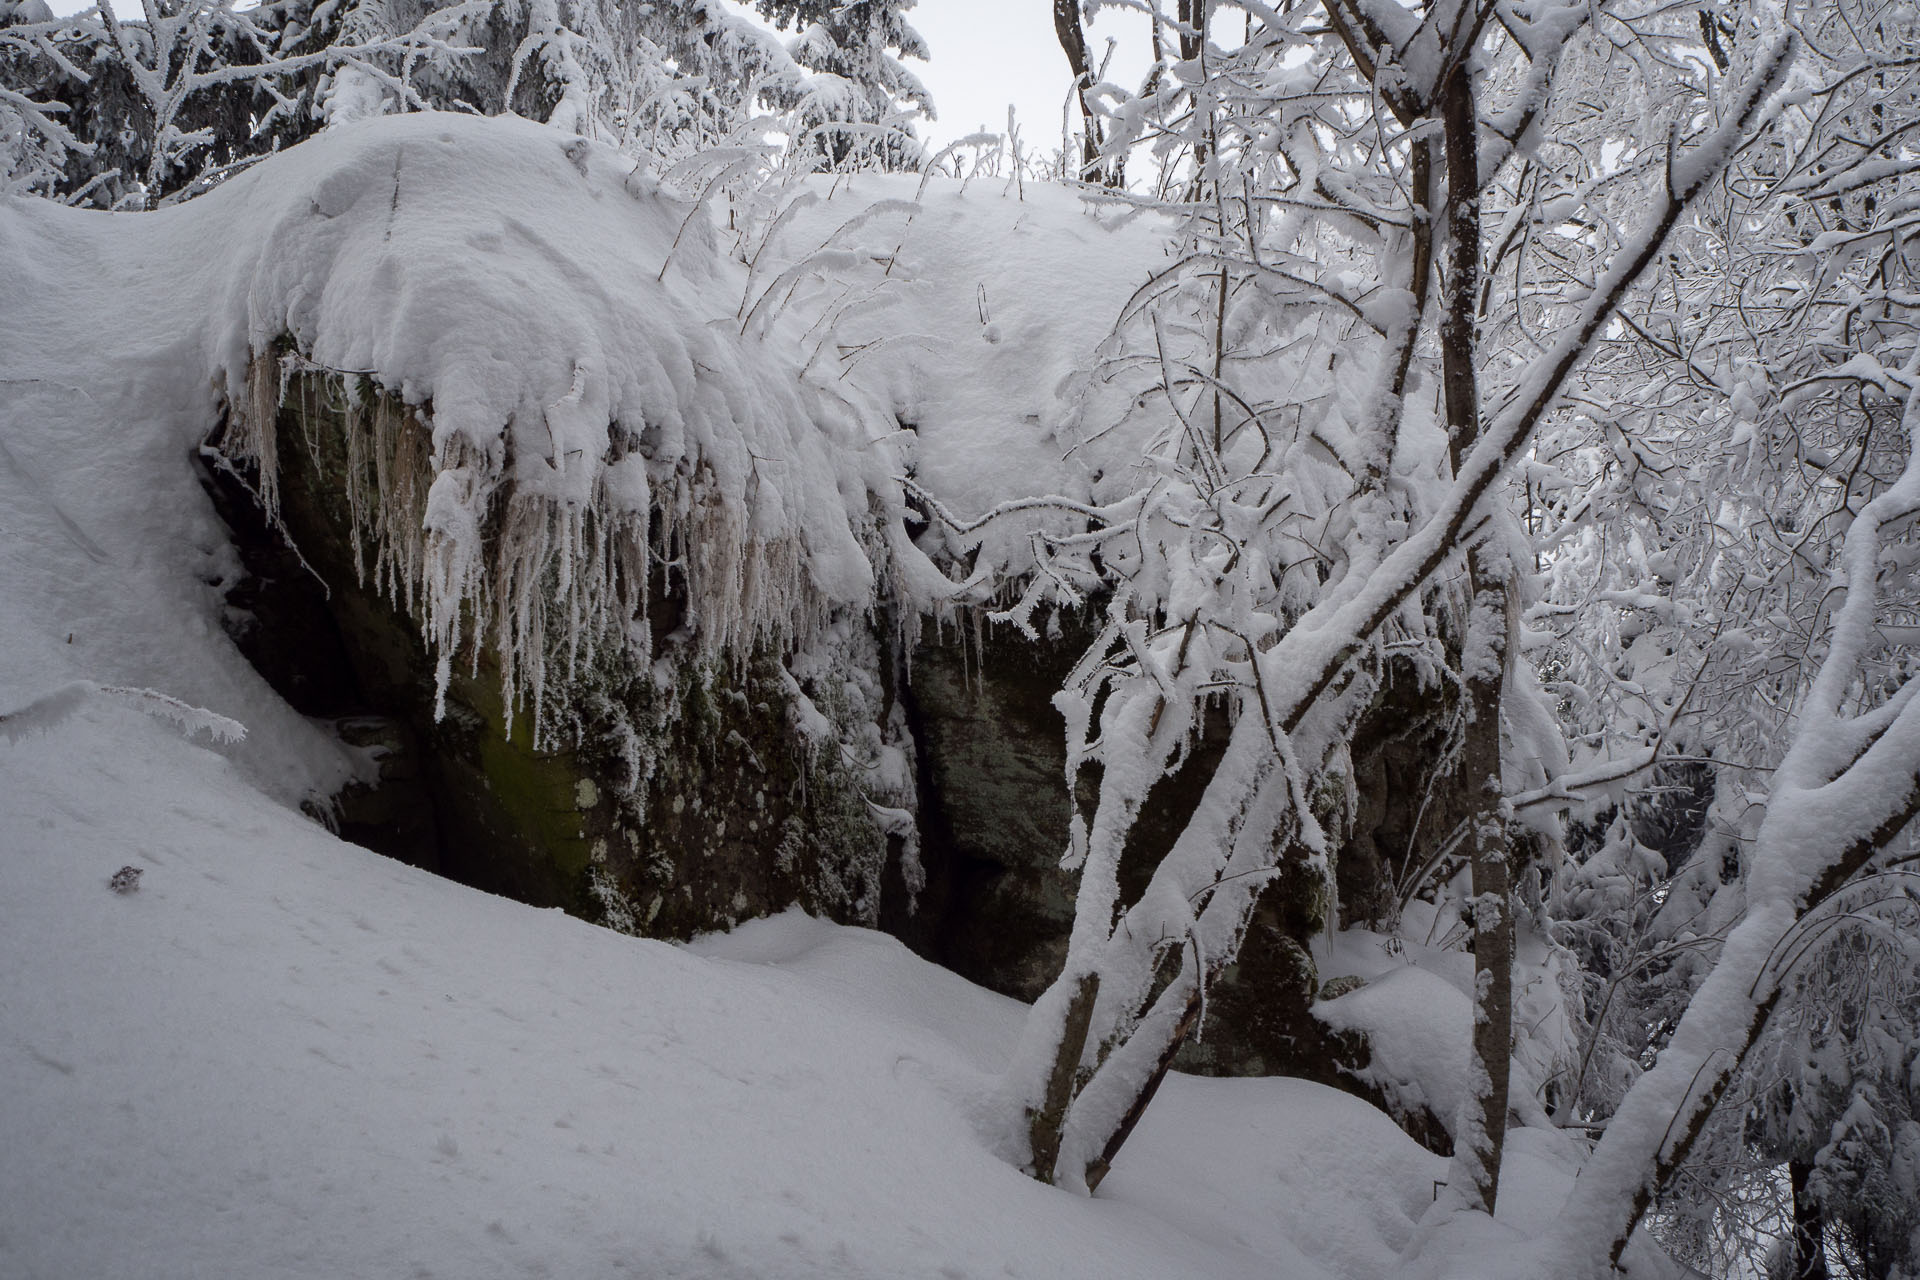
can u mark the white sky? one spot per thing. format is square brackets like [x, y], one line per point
[987, 54]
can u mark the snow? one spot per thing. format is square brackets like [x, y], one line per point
[1418, 1026]
[1002, 293]
[111, 558]
[285, 1055]
[1415, 1008]
[1353, 1189]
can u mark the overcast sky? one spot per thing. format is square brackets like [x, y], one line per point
[987, 54]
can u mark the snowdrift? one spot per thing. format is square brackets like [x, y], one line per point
[284, 1055]
[602, 382]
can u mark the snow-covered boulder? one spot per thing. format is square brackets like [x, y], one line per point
[610, 522]
[599, 486]
[603, 548]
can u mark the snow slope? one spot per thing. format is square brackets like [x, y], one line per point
[283, 1055]
[286, 1056]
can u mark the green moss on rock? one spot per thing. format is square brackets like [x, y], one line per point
[670, 797]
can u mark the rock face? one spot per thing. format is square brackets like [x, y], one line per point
[994, 820]
[685, 794]
[993, 803]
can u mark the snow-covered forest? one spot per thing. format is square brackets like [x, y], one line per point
[612, 662]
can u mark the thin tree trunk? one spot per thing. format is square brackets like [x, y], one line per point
[1809, 1259]
[1189, 1018]
[1073, 42]
[1046, 1123]
[1480, 1131]
[1193, 41]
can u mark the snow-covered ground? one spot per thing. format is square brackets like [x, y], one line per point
[286, 1056]
[282, 1055]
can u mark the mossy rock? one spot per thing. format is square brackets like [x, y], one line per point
[1345, 984]
[673, 797]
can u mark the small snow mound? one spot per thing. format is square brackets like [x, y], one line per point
[1417, 1025]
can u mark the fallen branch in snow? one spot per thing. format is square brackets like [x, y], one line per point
[53, 709]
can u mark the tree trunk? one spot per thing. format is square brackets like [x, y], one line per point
[1047, 1122]
[1809, 1259]
[1193, 40]
[1073, 42]
[1189, 1018]
[1480, 1130]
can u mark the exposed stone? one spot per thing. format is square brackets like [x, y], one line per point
[684, 796]
[1403, 810]
[994, 817]
[639, 819]
[993, 802]
[1334, 988]
[395, 814]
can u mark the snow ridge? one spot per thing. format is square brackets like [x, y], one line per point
[580, 407]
